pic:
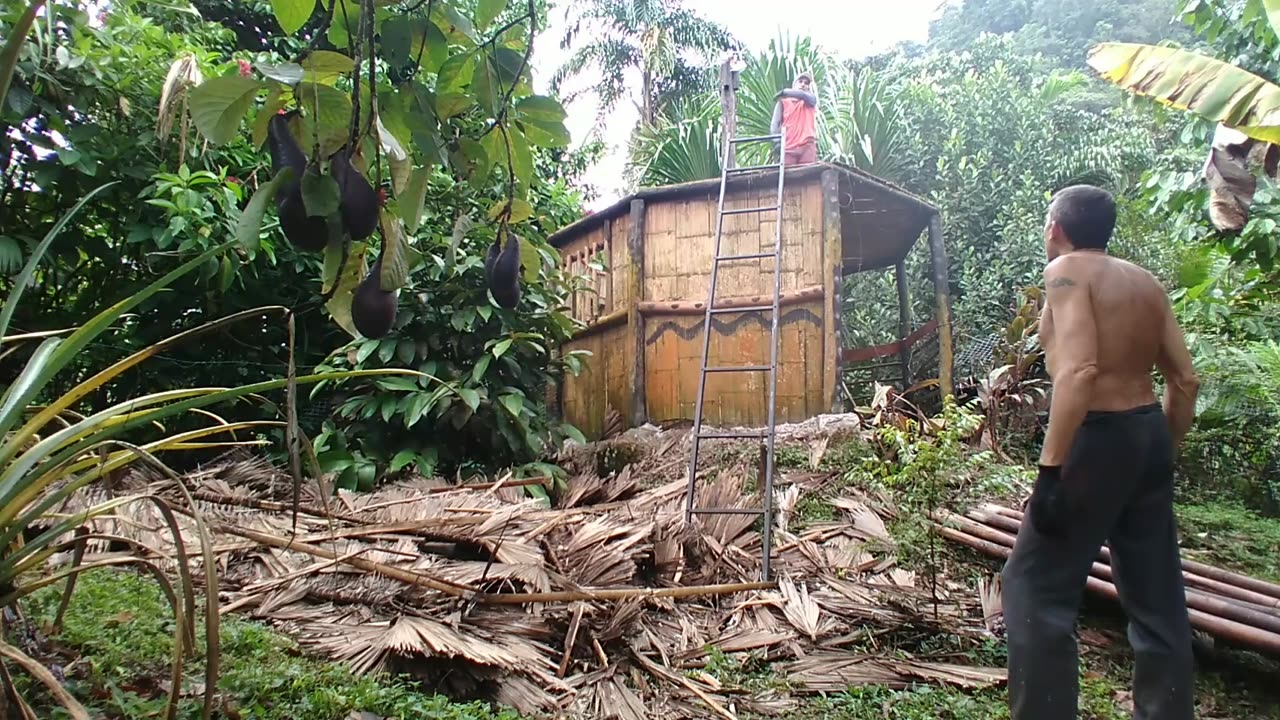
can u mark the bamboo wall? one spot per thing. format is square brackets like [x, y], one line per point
[678, 250]
[605, 379]
[677, 246]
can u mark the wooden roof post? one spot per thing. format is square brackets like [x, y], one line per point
[904, 320]
[941, 289]
[833, 289]
[635, 320]
[729, 106]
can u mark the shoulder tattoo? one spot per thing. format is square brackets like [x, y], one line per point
[1059, 282]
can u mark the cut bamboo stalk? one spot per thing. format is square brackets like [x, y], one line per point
[1011, 524]
[1210, 572]
[1238, 633]
[1221, 607]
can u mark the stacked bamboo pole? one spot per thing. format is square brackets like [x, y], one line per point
[1235, 608]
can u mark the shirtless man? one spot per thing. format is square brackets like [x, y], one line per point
[1106, 473]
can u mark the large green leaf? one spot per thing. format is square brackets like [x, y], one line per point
[292, 14]
[521, 156]
[530, 260]
[545, 133]
[1210, 88]
[413, 198]
[339, 304]
[219, 104]
[249, 226]
[452, 103]
[397, 39]
[1273, 14]
[320, 194]
[274, 102]
[456, 72]
[541, 108]
[287, 73]
[485, 87]
[454, 24]
[328, 116]
[395, 258]
[323, 66]
[487, 11]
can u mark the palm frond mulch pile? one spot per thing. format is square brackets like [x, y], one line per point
[604, 605]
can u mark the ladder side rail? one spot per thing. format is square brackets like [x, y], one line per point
[766, 541]
[706, 336]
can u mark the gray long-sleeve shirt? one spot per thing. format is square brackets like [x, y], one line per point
[775, 126]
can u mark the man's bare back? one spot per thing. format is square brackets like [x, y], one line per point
[1124, 300]
[1107, 324]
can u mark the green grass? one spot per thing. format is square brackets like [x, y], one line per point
[119, 630]
[1232, 536]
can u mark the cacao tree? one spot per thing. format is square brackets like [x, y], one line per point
[383, 95]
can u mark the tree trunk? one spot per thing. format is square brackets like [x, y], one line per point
[646, 109]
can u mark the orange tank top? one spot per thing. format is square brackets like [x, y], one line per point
[798, 121]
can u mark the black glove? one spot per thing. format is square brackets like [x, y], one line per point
[1049, 509]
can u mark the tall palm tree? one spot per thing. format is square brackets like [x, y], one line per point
[659, 38]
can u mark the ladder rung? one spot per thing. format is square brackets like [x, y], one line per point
[755, 138]
[737, 368]
[748, 256]
[747, 308]
[757, 434]
[727, 511]
[744, 211]
[752, 168]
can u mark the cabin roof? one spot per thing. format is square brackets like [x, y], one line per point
[880, 222]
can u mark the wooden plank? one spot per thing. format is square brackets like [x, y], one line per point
[942, 292]
[635, 320]
[832, 285]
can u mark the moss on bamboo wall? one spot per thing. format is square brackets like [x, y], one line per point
[603, 383]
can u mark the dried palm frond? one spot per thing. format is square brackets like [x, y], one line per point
[370, 647]
[785, 506]
[834, 671]
[525, 696]
[613, 424]
[799, 609]
[992, 607]
[599, 553]
[818, 448]
[829, 671]
[726, 492]
[184, 74]
[865, 520]
[848, 555]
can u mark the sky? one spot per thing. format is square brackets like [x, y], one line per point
[848, 28]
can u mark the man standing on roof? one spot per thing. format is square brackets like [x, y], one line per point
[796, 111]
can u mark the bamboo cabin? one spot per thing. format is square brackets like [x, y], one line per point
[648, 262]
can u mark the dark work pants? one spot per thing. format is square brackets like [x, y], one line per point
[1120, 474]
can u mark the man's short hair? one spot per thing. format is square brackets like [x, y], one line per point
[1087, 214]
[804, 74]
